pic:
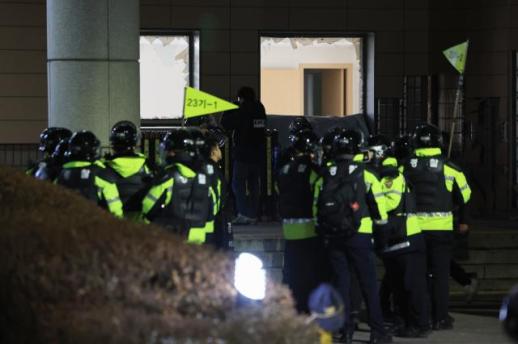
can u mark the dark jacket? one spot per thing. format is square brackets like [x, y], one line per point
[247, 125]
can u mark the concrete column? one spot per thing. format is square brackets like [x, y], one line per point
[93, 71]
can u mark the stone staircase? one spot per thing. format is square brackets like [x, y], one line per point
[493, 255]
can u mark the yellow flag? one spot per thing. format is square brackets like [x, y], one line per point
[199, 103]
[456, 55]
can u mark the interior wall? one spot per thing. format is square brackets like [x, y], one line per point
[280, 89]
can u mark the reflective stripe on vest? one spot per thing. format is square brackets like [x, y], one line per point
[196, 236]
[435, 221]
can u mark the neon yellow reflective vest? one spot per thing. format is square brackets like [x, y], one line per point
[394, 190]
[433, 178]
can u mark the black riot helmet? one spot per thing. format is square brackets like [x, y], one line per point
[298, 124]
[50, 137]
[379, 145]
[83, 146]
[347, 141]
[427, 136]
[327, 141]
[181, 143]
[403, 147]
[124, 136]
[509, 314]
[198, 137]
[304, 141]
[59, 153]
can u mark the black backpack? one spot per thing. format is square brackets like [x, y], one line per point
[339, 207]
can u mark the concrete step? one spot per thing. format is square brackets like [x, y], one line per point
[493, 253]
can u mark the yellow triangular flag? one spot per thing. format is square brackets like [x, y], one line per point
[199, 103]
[457, 55]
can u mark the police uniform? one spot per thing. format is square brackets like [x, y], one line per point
[133, 176]
[302, 250]
[94, 182]
[433, 178]
[403, 251]
[179, 201]
[356, 251]
[210, 170]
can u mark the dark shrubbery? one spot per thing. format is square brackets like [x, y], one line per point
[72, 273]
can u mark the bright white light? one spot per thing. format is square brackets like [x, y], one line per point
[250, 277]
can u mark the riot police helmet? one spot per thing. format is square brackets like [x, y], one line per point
[83, 146]
[348, 141]
[427, 136]
[326, 141]
[50, 137]
[298, 124]
[59, 153]
[379, 145]
[403, 147]
[304, 141]
[124, 136]
[180, 143]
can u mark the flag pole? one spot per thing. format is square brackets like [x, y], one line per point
[456, 110]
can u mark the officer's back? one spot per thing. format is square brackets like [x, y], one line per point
[85, 174]
[132, 170]
[179, 199]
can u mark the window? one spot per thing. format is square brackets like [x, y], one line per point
[168, 63]
[315, 76]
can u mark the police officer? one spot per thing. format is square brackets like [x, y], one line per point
[179, 199]
[434, 179]
[48, 168]
[401, 244]
[296, 180]
[348, 196]
[133, 170]
[222, 237]
[84, 173]
[207, 166]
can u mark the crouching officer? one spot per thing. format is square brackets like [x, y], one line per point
[434, 178]
[401, 245]
[87, 175]
[132, 170]
[49, 167]
[348, 196]
[179, 199]
[302, 252]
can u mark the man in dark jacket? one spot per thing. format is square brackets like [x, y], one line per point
[247, 125]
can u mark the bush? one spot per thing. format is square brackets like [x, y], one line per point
[72, 273]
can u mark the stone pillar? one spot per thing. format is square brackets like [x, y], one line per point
[92, 64]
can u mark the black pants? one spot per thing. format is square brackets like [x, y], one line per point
[407, 278]
[302, 263]
[357, 254]
[438, 255]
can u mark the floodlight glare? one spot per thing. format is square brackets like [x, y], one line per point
[250, 277]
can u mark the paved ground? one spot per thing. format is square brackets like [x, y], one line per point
[470, 329]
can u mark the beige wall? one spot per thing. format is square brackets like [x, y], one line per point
[280, 91]
[23, 81]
